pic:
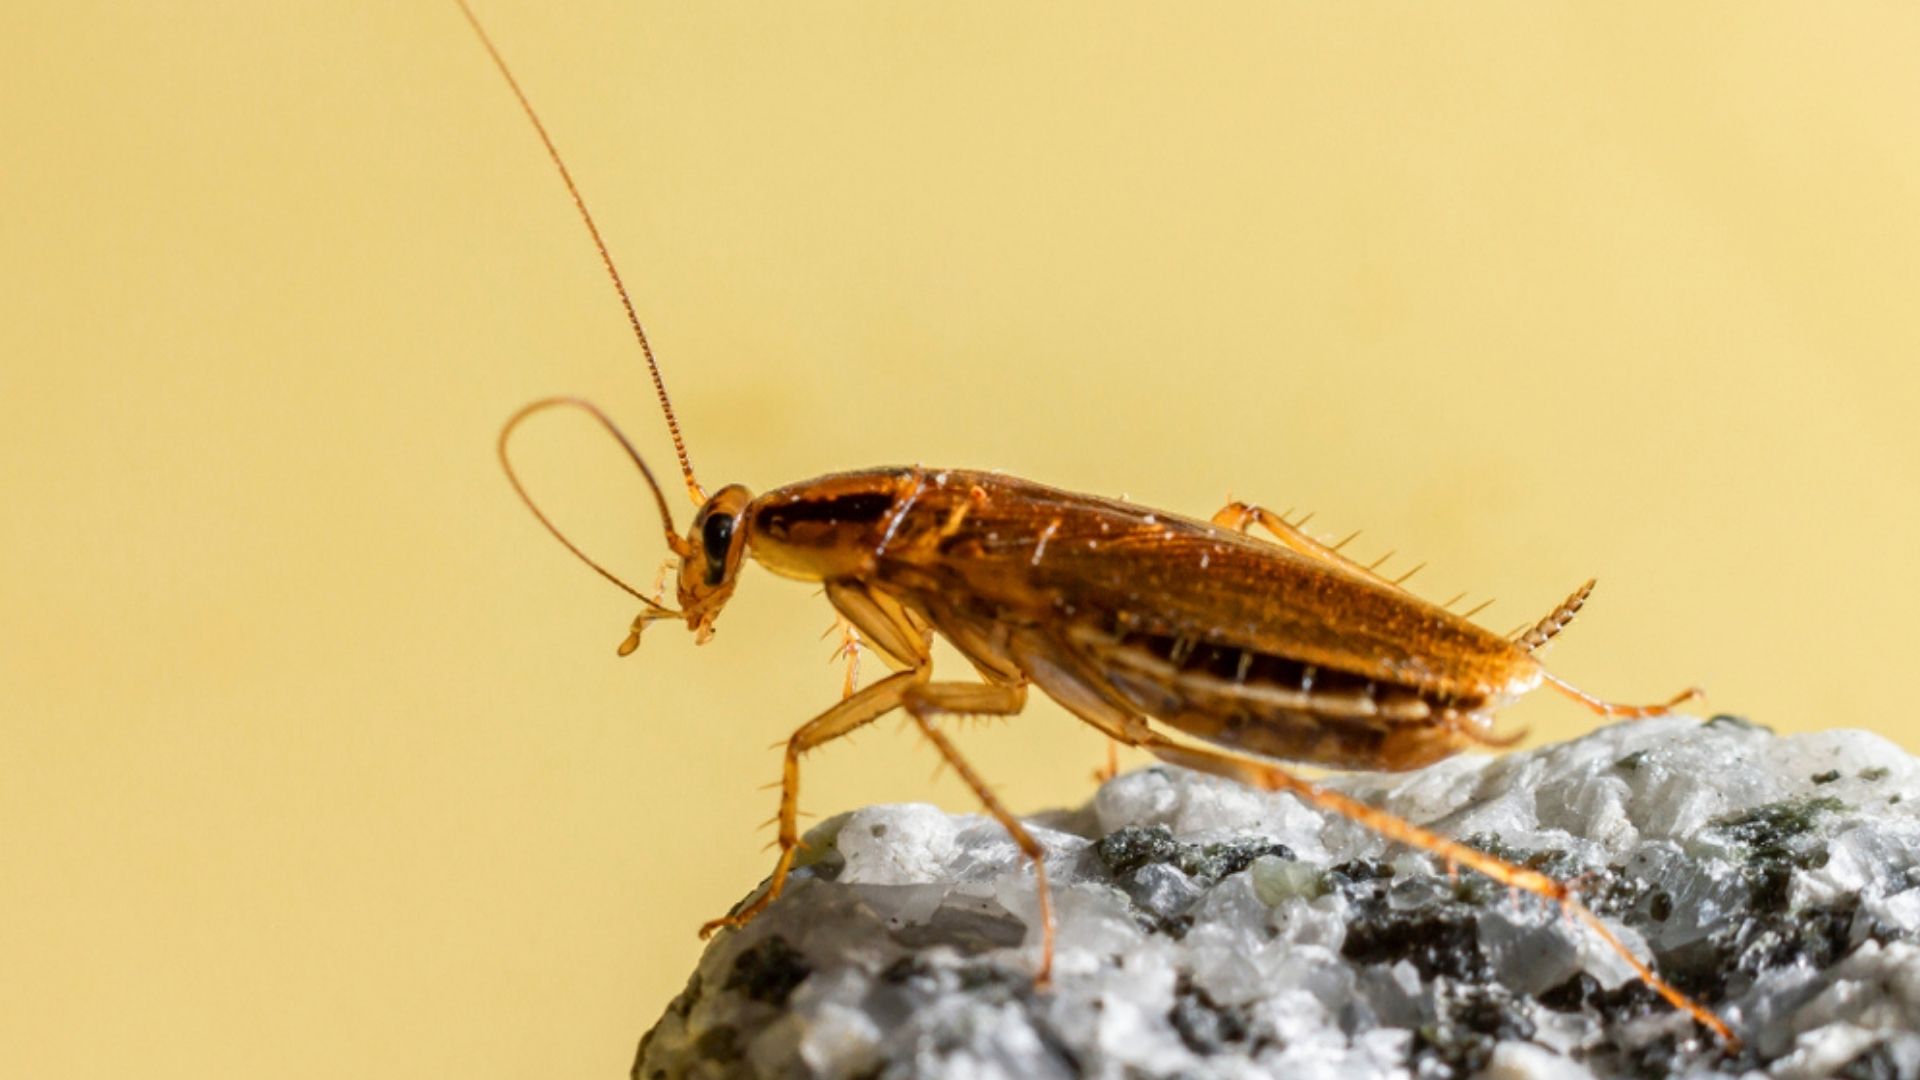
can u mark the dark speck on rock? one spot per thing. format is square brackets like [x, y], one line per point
[1630, 999]
[769, 971]
[720, 1045]
[1460, 1043]
[1356, 876]
[1204, 1025]
[1738, 723]
[1127, 850]
[1438, 940]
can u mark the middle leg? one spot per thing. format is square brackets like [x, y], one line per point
[925, 703]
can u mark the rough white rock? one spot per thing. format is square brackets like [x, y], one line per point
[1209, 930]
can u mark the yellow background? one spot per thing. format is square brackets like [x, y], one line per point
[317, 758]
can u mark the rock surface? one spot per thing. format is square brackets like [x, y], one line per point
[1208, 930]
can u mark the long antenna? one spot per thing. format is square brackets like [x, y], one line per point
[606, 257]
[674, 540]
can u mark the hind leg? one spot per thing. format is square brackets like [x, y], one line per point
[1393, 827]
[1081, 689]
[1614, 711]
[1241, 517]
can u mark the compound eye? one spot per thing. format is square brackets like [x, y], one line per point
[716, 536]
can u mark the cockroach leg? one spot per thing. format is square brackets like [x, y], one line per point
[1111, 769]
[1543, 631]
[1242, 516]
[861, 709]
[1453, 852]
[1622, 712]
[848, 650]
[927, 701]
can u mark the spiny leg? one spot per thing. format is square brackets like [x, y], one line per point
[1399, 829]
[927, 701]
[863, 707]
[1612, 711]
[1241, 516]
[891, 631]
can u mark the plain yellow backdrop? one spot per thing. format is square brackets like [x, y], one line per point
[317, 758]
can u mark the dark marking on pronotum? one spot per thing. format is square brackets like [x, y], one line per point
[777, 520]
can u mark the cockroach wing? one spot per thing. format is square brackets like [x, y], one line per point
[1045, 554]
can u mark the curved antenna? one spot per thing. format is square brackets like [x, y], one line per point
[606, 257]
[674, 540]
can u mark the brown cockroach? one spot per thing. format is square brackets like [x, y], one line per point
[1126, 616]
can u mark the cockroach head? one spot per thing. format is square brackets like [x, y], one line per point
[711, 564]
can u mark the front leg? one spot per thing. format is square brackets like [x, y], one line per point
[858, 710]
[891, 630]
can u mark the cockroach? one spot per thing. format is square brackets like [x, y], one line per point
[1270, 650]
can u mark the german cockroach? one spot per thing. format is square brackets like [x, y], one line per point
[1126, 616]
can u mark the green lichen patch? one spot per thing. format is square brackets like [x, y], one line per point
[1775, 839]
[1556, 863]
[1276, 881]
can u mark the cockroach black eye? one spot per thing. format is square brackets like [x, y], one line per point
[716, 536]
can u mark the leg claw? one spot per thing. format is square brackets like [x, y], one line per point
[714, 926]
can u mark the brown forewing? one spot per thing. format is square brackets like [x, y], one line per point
[1040, 554]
